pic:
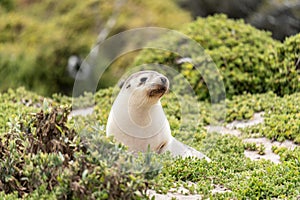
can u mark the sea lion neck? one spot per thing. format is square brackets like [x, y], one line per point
[142, 115]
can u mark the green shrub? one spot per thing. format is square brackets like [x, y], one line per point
[281, 119]
[247, 58]
[250, 146]
[287, 71]
[286, 154]
[16, 106]
[245, 179]
[49, 159]
[44, 158]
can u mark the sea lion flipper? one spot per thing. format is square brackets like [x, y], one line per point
[179, 149]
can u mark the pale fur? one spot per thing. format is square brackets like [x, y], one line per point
[138, 120]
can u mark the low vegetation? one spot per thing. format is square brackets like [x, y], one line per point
[45, 154]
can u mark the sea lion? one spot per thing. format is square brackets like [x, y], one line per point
[137, 118]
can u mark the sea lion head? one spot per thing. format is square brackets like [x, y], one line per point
[145, 87]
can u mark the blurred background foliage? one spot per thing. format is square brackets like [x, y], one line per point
[38, 37]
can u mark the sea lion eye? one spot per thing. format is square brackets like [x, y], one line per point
[143, 79]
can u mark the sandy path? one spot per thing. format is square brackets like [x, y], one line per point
[234, 127]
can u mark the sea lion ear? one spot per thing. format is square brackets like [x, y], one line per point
[121, 83]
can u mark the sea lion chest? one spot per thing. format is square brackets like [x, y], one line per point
[138, 127]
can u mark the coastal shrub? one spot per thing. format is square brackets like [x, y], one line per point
[43, 155]
[287, 70]
[249, 60]
[281, 119]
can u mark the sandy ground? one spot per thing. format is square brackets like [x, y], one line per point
[83, 112]
[233, 128]
[173, 195]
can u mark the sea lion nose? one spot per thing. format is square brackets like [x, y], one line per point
[163, 80]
